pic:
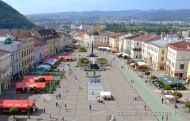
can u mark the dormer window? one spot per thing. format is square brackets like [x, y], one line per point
[7, 41]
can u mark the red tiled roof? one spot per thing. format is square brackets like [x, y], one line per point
[34, 78]
[144, 37]
[48, 34]
[181, 45]
[2, 52]
[116, 35]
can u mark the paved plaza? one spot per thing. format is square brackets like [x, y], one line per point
[77, 95]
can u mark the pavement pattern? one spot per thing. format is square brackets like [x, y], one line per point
[77, 96]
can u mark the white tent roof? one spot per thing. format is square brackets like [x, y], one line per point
[125, 54]
[105, 93]
[119, 53]
[44, 66]
[142, 64]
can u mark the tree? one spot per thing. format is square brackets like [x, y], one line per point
[147, 73]
[13, 111]
[177, 94]
[153, 77]
[187, 104]
[42, 79]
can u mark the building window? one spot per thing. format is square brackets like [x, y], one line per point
[181, 66]
[163, 51]
[162, 58]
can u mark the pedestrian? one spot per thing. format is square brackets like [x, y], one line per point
[44, 99]
[166, 117]
[65, 106]
[44, 110]
[92, 92]
[145, 107]
[56, 104]
[162, 100]
[162, 117]
[62, 118]
[59, 95]
[107, 117]
[49, 114]
[90, 107]
[56, 96]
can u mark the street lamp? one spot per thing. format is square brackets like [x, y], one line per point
[28, 109]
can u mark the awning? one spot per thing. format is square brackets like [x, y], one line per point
[31, 84]
[38, 71]
[66, 57]
[33, 78]
[51, 63]
[16, 103]
[119, 54]
[49, 59]
[125, 54]
[44, 66]
[142, 64]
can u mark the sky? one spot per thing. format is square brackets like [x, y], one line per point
[27, 7]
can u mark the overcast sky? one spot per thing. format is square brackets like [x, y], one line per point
[50, 6]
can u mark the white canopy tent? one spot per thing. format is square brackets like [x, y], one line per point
[102, 94]
[142, 64]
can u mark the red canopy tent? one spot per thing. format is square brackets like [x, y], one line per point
[69, 57]
[114, 50]
[34, 78]
[16, 103]
[31, 84]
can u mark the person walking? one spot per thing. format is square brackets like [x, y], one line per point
[49, 114]
[62, 118]
[162, 117]
[90, 107]
[56, 104]
[65, 107]
[145, 107]
[162, 100]
[44, 110]
[167, 117]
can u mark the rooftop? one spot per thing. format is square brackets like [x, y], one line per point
[48, 34]
[181, 45]
[164, 43]
[2, 53]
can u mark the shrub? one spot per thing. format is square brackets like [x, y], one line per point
[187, 104]
[177, 94]
[167, 88]
[147, 73]
[153, 77]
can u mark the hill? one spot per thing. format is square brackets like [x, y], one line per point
[11, 18]
[161, 14]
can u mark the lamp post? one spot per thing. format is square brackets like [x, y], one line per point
[28, 109]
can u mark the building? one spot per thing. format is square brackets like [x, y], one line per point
[8, 44]
[5, 69]
[51, 38]
[114, 40]
[145, 49]
[178, 58]
[27, 51]
[100, 39]
[65, 39]
[136, 44]
[188, 73]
